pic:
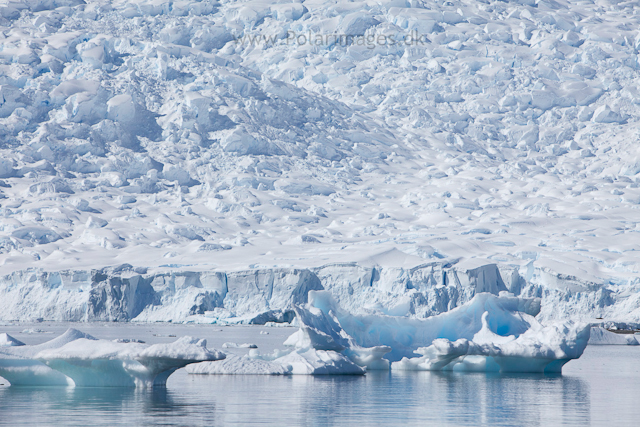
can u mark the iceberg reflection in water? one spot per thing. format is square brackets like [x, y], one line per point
[603, 382]
[378, 398]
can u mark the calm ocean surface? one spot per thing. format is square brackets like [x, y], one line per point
[601, 389]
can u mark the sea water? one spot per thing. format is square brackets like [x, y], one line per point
[601, 388]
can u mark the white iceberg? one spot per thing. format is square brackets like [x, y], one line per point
[299, 361]
[78, 359]
[489, 333]
[319, 362]
[497, 333]
[19, 366]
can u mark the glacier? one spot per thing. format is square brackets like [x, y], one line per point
[263, 295]
[195, 138]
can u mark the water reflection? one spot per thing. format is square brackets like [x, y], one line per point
[100, 406]
[396, 398]
[404, 398]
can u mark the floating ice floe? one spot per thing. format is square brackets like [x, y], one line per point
[236, 345]
[601, 336]
[490, 333]
[76, 358]
[238, 365]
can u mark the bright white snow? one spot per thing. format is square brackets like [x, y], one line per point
[233, 165]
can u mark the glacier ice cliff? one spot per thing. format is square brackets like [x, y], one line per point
[265, 295]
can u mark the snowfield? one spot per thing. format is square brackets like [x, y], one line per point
[216, 161]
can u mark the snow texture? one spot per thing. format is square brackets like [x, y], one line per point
[237, 168]
[78, 359]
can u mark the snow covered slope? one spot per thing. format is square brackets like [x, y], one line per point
[258, 140]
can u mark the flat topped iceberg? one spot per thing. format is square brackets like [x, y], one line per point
[601, 336]
[302, 361]
[78, 359]
[238, 365]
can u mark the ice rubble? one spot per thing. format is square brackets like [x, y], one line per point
[489, 333]
[78, 359]
[158, 134]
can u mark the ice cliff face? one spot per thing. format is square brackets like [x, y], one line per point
[192, 137]
[270, 295]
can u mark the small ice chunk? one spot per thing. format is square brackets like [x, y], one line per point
[236, 345]
[7, 340]
[33, 331]
[604, 114]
